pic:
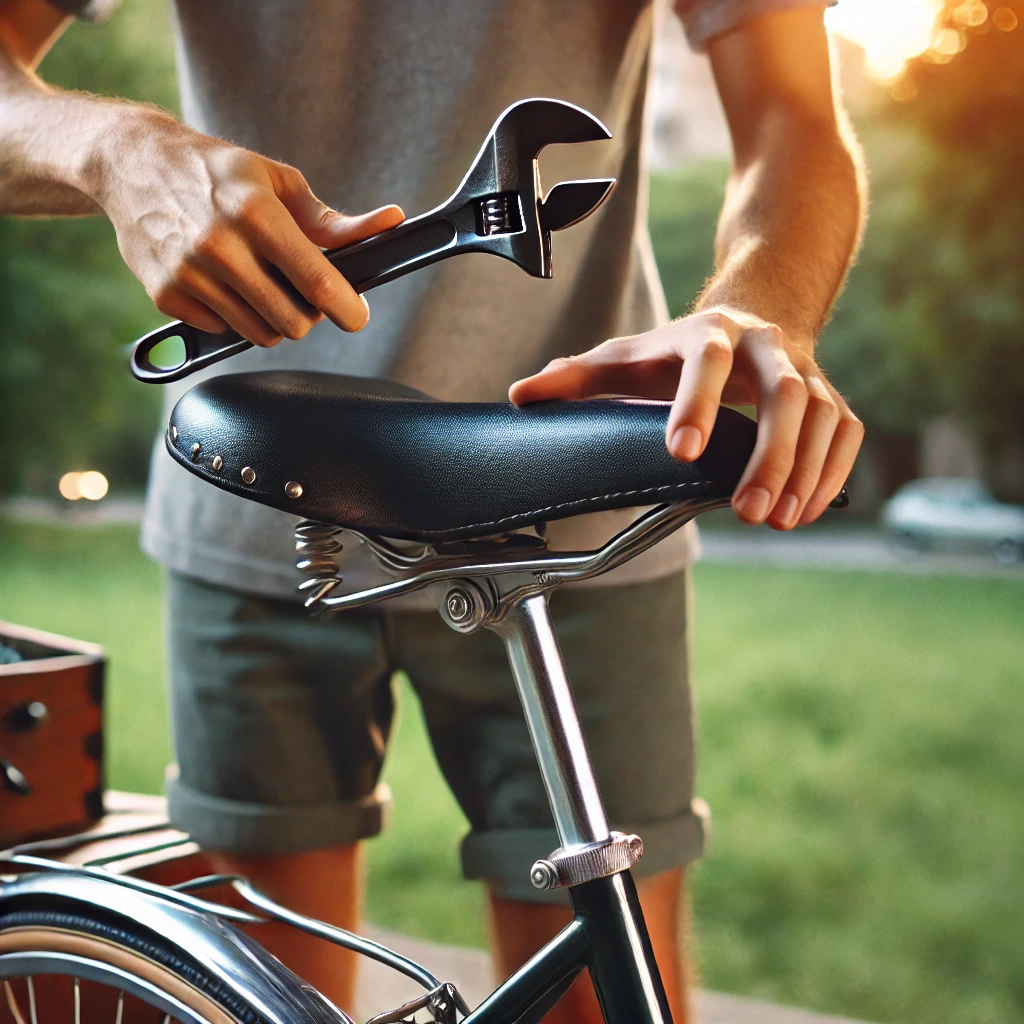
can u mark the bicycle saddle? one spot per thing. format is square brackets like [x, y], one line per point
[386, 460]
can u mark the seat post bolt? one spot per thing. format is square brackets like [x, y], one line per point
[459, 606]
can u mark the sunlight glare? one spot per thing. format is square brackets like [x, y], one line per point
[890, 31]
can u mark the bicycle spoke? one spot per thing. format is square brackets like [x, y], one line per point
[120, 1008]
[167, 1019]
[12, 1004]
[31, 1000]
[78, 1002]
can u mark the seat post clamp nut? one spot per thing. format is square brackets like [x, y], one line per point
[578, 864]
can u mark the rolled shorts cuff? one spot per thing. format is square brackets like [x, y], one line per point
[239, 826]
[503, 856]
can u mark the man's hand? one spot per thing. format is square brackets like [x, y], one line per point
[807, 438]
[788, 230]
[222, 237]
[219, 236]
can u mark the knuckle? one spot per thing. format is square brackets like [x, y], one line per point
[790, 387]
[263, 338]
[716, 318]
[292, 178]
[320, 286]
[250, 213]
[165, 299]
[802, 482]
[822, 407]
[295, 326]
[852, 425]
[210, 246]
[717, 351]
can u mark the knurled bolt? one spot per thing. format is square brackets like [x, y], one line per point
[459, 606]
[544, 875]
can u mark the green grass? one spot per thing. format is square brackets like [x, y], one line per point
[861, 749]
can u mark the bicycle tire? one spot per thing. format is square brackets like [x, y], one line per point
[102, 952]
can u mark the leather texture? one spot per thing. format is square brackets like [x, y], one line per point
[381, 458]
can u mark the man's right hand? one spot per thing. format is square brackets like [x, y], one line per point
[219, 236]
[222, 237]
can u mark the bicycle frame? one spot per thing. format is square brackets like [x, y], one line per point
[504, 589]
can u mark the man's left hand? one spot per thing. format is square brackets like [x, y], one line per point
[807, 437]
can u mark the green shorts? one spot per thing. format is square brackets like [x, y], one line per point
[281, 723]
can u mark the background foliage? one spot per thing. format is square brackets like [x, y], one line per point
[69, 304]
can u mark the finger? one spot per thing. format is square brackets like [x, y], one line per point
[182, 306]
[325, 227]
[230, 306]
[839, 462]
[820, 420]
[346, 229]
[270, 294]
[277, 237]
[706, 368]
[616, 367]
[780, 416]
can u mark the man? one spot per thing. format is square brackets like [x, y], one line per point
[280, 723]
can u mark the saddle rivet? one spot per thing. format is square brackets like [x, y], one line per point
[174, 433]
[218, 463]
[293, 489]
[248, 475]
[195, 451]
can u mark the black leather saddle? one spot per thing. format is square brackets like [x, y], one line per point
[386, 460]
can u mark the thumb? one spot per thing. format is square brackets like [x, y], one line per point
[328, 228]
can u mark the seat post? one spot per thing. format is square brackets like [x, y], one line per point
[553, 721]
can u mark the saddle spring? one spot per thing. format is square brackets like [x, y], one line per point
[316, 544]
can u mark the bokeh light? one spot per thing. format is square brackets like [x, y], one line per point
[91, 485]
[890, 31]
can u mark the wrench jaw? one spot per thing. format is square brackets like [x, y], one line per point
[507, 167]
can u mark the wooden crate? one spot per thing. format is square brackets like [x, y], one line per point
[58, 754]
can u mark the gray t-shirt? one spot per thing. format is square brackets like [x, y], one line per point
[388, 102]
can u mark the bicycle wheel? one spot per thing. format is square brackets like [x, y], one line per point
[80, 964]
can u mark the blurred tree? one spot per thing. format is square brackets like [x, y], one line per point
[933, 320]
[68, 305]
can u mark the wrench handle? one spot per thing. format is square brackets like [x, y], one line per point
[400, 250]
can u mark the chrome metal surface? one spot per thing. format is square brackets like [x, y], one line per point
[193, 927]
[576, 865]
[338, 936]
[218, 464]
[195, 451]
[316, 545]
[553, 722]
[293, 489]
[84, 838]
[174, 432]
[40, 964]
[248, 475]
[515, 570]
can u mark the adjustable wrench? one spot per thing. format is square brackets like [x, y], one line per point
[499, 208]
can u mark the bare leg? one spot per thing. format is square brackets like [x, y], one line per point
[519, 929]
[325, 884]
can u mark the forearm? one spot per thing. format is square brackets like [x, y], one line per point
[790, 227]
[54, 145]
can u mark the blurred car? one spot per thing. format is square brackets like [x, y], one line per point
[950, 513]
